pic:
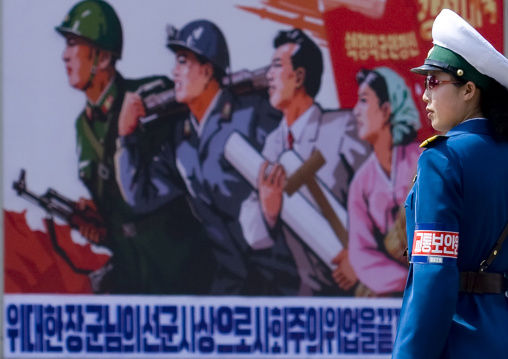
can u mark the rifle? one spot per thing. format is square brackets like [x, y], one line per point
[160, 100]
[59, 206]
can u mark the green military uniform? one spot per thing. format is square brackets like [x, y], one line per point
[151, 253]
[161, 252]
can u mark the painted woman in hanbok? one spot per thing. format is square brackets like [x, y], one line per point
[387, 118]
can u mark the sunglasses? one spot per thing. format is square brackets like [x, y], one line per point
[431, 82]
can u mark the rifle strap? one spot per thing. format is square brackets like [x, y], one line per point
[90, 136]
[50, 225]
[99, 151]
[495, 251]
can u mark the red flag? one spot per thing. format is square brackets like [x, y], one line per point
[33, 266]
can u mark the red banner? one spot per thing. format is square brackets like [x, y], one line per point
[397, 41]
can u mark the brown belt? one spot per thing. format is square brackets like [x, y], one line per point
[483, 282]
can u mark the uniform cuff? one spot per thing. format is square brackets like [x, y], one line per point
[125, 141]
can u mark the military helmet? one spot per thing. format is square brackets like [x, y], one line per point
[97, 22]
[203, 38]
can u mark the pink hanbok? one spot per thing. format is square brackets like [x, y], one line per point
[374, 200]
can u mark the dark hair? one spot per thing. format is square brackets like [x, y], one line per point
[494, 106]
[376, 82]
[218, 73]
[307, 55]
[402, 128]
[459, 80]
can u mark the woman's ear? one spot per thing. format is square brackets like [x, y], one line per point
[386, 109]
[470, 90]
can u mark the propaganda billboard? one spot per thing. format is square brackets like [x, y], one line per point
[221, 178]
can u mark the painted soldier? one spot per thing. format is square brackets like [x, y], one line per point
[196, 156]
[151, 251]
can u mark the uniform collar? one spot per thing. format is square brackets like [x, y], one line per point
[301, 125]
[474, 125]
[99, 109]
[199, 126]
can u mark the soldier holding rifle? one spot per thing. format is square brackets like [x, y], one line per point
[155, 252]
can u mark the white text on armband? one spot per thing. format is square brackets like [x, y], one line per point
[435, 245]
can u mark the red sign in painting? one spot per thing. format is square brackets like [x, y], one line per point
[399, 37]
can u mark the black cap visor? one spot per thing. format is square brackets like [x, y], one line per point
[424, 69]
[433, 65]
[175, 45]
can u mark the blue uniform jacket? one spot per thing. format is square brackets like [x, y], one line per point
[461, 190]
[196, 166]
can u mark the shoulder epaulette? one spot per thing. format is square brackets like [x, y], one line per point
[432, 139]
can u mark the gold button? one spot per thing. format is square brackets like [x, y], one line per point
[460, 72]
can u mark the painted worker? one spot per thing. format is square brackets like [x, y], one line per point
[193, 162]
[294, 80]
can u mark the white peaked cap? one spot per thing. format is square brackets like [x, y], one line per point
[453, 33]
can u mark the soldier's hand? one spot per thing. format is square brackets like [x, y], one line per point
[344, 275]
[88, 209]
[270, 187]
[84, 203]
[132, 110]
[92, 233]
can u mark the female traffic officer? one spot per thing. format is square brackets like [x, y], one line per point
[454, 302]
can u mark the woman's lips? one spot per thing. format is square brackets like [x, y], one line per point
[429, 112]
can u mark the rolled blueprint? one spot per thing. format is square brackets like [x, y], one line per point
[291, 162]
[297, 213]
